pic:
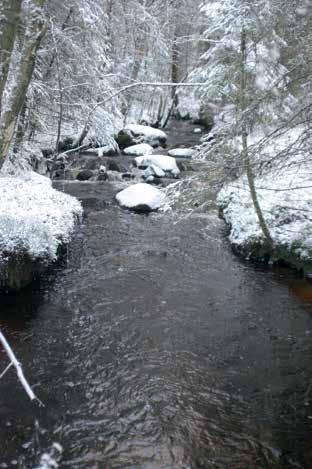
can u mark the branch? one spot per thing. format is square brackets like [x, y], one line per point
[17, 365]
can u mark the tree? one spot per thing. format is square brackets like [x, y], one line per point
[243, 69]
[35, 30]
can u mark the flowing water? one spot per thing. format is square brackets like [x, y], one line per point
[154, 346]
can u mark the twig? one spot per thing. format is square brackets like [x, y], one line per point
[14, 362]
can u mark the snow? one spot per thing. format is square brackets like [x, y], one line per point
[148, 134]
[34, 217]
[106, 150]
[181, 152]
[158, 171]
[285, 196]
[139, 150]
[164, 162]
[139, 195]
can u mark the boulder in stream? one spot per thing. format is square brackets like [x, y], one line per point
[35, 222]
[166, 163]
[181, 152]
[139, 150]
[134, 134]
[141, 198]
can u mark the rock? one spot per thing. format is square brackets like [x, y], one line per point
[35, 222]
[182, 167]
[154, 170]
[181, 152]
[102, 175]
[125, 139]
[18, 270]
[134, 134]
[164, 162]
[108, 150]
[139, 150]
[84, 175]
[127, 176]
[141, 198]
[112, 165]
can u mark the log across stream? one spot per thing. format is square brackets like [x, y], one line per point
[154, 346]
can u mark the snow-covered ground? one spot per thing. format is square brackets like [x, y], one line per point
[285, 196]
[34, 217]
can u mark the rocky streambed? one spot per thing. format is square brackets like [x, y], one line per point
[153, 346]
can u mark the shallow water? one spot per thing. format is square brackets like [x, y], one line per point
[154, 346]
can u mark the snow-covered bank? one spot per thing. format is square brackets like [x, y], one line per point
[35, 220]
[285, 196]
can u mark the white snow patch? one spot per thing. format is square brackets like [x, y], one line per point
[147, 134]
[34, 217]
[181, 152]
[164, 162]
[139, 150]
[141, 194]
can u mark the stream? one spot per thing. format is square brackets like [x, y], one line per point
[153, 346]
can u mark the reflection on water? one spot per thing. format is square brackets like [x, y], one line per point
[302, 289]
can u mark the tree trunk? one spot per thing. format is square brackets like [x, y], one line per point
[9, 17]
[33, 38]
[246, 159]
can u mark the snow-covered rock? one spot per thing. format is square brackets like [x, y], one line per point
[135, 134]
[35, 220]
[157, 171]
[181, 152]
[164, 162]
[141, 198]
[139, 150]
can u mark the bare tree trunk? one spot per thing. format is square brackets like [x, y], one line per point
[175, 69]
[9, 17]
[33, 39]
[246, 159]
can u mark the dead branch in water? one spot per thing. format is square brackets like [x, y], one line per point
[14, 362]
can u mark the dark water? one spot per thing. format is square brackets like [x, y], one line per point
[153, 346]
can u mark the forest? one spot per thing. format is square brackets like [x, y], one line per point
[155, 234]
